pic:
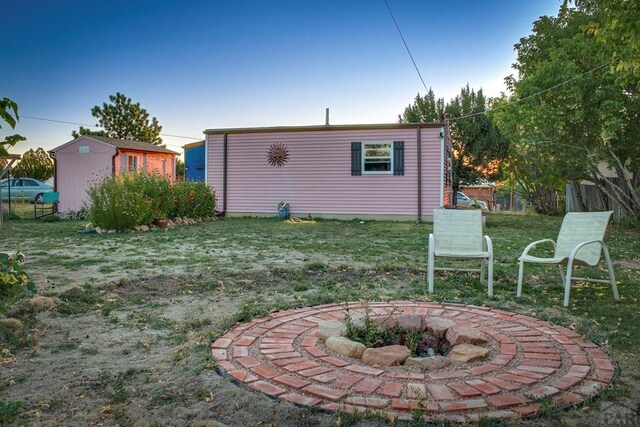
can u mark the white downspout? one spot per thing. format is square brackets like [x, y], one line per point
[206, 158]
[441, 167]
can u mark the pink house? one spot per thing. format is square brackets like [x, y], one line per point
[88, 159]
[379, 171]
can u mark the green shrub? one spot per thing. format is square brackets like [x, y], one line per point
[11, 274]
[193, 200]
[80, 214]
[118, 203]
[157, 189]
[125, 201]
[8, 410]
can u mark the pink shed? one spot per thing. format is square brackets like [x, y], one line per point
[88, 159]
[382, 171]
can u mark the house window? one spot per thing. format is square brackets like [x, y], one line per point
[377, 157]
[132, 163]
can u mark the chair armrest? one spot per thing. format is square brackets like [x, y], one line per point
[580, 245]
[432, 241]
[488, 245]
[536, 243]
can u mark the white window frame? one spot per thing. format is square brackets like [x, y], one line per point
[135, 163]
[364, 157]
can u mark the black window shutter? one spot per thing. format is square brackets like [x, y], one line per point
[398, 157]
[356, 158]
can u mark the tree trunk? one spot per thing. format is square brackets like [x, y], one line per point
[456, 187]
[578, 192]
[616, 193]
[622, 174]
[546, 200]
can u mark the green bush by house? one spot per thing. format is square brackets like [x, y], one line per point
[192, 199]
[125, 201]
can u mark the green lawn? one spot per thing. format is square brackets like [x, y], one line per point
[19, 209]
[263, 265]
[367, 255]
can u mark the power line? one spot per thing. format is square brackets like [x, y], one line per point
[22, 116]
[178, 136]
[95, 126]
[533, 94]
[405, 45]
[492, 109]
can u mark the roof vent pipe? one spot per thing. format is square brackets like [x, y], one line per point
[327, 117]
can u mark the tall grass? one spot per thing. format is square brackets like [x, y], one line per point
[117, 202]
[126, 201]
[192, 199]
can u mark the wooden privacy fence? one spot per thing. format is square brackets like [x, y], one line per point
[594, 200]
[508, 200]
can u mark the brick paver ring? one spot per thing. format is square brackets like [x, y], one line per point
[280, 355]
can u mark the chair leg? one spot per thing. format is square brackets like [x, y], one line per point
[520, 273]
[482, 268]
[490, 280]
[612, 277]
[567, 282]
[561, 273]
[430, 267]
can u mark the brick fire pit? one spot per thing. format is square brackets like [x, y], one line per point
[531, 359]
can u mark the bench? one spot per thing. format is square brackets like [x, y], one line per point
[48, 206]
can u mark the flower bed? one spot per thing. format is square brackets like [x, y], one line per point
[129, 201]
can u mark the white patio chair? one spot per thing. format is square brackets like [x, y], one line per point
[580, 242]
[457, 233]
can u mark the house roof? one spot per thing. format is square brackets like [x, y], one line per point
[121, 143]
[323, 128]
[193, 145]
[133, 145]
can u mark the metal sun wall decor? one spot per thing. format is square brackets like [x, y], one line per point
[278, 154]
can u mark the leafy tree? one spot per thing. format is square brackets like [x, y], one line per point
[180, 169]
[619, 28]
[425, 109]
[570, 112]
[527, 167]
[478, 147]
[83, 131]
[6, 108]
[9, 115]
[123, 119]
[35, 164]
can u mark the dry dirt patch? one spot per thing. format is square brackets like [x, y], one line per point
[140, 363]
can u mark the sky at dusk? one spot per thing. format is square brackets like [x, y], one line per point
[198, 64]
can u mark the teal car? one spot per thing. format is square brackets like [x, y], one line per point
[466, 201]
[26, 189]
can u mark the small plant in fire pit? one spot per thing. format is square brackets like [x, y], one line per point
[430, 345]
[426, 342]
[385, 331]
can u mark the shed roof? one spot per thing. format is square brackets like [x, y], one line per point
[193, 145]
[122, 143]
[315, 128]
